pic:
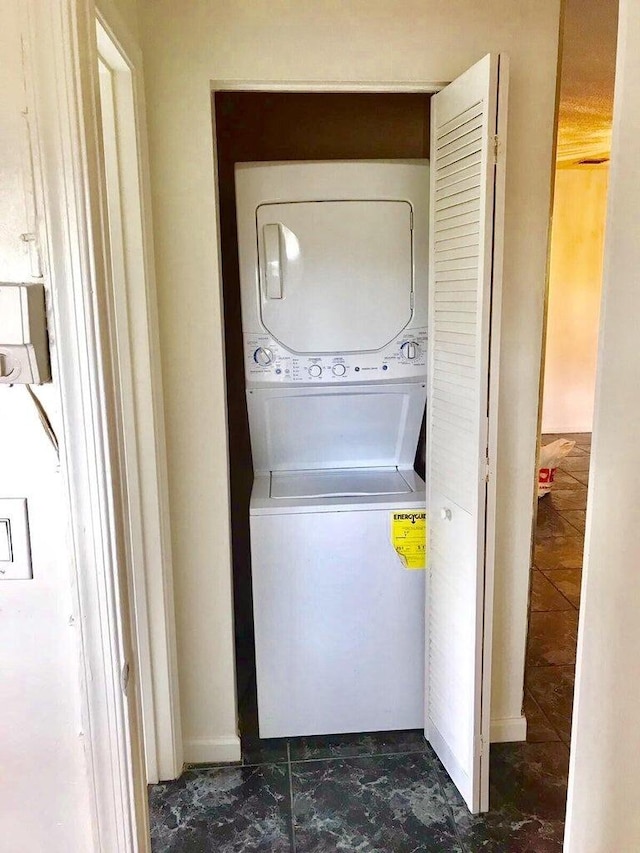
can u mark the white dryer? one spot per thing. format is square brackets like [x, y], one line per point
[333, 287]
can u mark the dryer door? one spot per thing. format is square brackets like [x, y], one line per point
[335, 276]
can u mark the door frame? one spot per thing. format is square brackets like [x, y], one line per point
[500, 730]
[136, 340]
[331, 87]
[61, 68]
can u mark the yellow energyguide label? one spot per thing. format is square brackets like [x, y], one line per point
[409, 537]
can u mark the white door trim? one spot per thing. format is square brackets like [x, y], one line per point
[136, 339]
[303, 87]
[199, 750]
[511, 729]
[61, 70]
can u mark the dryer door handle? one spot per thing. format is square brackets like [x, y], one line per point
[271, 234]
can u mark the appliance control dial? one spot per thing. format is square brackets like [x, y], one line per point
[409, 350]
[263, 356]
[315, 370]
[339, 369]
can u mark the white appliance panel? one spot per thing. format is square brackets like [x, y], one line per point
[338, 483]
[262, 502]
[362, 426]
[335, 276]
[339, 625]
[298, 224]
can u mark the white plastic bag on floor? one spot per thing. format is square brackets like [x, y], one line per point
[550, 456]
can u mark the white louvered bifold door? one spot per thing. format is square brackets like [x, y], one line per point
[465, 242]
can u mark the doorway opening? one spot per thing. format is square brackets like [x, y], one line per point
[282, 126]
[577, 244]
[569, 362]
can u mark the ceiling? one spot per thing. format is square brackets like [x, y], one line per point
[587, 79]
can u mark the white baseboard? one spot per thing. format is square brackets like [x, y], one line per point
[509, 729]
[217, 750]
[227, 749]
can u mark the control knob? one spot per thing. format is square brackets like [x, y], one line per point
[409, 350]
[263, 356]
[315, 370]
[339, 369]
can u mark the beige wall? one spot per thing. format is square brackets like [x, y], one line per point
[188, 45]
[604, 777]
[123, 13]
[575, 281]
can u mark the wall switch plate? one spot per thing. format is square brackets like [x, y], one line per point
[15, 547]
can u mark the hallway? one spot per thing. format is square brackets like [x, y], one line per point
[555, 597]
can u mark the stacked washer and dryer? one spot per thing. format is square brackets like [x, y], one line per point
[333, 275]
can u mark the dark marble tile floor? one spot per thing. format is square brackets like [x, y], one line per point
[528, 797]
[552, 688]
[370, 803]
[387, 792]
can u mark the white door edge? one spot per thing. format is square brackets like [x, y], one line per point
[138, 347]
[492, 425]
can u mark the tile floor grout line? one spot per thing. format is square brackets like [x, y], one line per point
[573, 606]
[233, 766]
[293, 825]
[227, 765]
[570, 523]
[449, 807]
[552, 726]
[361, 755]
[541, 542]
[569, 609]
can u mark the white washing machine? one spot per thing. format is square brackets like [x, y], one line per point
[333, 260]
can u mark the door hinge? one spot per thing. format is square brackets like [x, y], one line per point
[496, 149]
[486, 469]
[481, 752]
[411, 219]
[124, 677]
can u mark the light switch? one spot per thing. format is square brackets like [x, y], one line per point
[15, 548]
[5, 540]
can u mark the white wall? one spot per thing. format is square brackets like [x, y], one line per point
[575, 280]
[188, 45]
[604, 779]
[43, 784]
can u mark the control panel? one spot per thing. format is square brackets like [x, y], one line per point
[267, 361]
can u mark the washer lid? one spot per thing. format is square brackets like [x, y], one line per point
[338, 483]
[335, 276]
